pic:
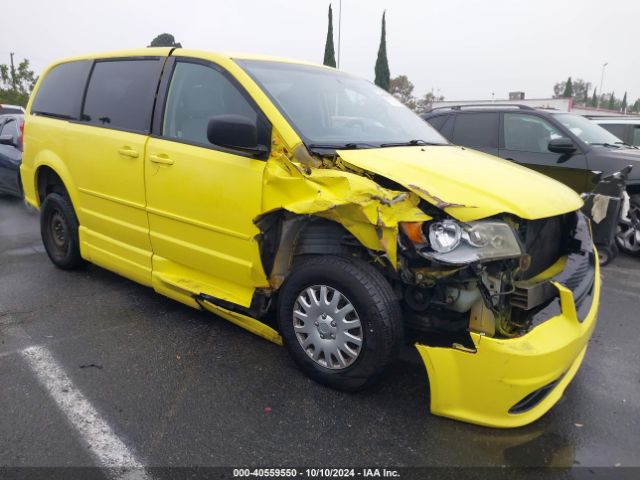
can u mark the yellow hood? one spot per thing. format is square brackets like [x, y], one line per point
[467, 184]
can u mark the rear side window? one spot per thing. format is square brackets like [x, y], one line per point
[636, 136]
[5, 109]
[121, 93]
[60, 93]
[476, 130]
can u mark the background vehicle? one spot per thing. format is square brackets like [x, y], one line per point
[562, 145]
[625, 128]
[6, 108]
[11, 128]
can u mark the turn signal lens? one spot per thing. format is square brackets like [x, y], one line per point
[413, 230]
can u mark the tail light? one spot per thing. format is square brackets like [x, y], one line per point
[21, 135]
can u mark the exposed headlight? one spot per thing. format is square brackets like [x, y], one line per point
[444, 236]
[458, 244]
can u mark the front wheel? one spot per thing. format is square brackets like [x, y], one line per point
[628, 234]
[340, 321]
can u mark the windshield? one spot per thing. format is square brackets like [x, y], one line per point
[331, 108]
[588, 131]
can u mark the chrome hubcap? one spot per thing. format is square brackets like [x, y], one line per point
[327, 326]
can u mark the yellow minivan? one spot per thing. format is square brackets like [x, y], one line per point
[310, 207]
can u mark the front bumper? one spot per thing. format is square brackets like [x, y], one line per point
[512, 382]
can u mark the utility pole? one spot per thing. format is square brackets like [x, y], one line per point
[601, 79]
[339, 29]
[13, 73]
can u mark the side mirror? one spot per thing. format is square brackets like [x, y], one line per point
[236, 132]
[7, 140]
[561, 145]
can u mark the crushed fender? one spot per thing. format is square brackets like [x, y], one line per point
[305, 185]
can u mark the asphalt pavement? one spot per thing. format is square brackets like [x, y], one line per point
[179, 387]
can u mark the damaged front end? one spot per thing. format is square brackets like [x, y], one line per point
[492, 276]
[499, 295]
[502, 319]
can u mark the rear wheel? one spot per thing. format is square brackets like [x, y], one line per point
[628, 234]
[59, 231]
[340, 321]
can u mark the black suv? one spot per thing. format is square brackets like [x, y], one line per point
[561, 145]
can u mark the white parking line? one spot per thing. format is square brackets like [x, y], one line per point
[112, 454]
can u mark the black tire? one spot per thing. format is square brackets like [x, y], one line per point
[59, 231]
[605, 255]
[377, 308]
[625, 239]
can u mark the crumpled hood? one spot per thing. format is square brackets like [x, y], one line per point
[467, 184]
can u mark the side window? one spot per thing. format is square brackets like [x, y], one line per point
[438, 122]
[476, 130]
[528, 133]
[10, 128]
[198, 92]
[636, 135]
[121, 93]
[616, 129]
[60, 92]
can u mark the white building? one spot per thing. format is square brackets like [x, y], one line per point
[517, 98]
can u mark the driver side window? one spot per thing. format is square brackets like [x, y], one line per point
[528, 133]
[197, 93]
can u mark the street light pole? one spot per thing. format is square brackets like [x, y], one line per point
[601, 80]
[339, 29]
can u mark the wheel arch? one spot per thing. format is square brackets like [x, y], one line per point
[285, 236]
[51, 174]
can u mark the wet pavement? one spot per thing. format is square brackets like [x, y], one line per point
[184, 388]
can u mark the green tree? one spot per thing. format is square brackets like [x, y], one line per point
[383, 77]
[579, 87]
[568, 89]
[585, 98]
[612, 102]
[594, 98]
[623, 105]
[165, 40]
[16, 83]
[329, 52]
[426, 103]
[401, 88]
[636, 106]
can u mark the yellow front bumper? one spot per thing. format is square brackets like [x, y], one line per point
[482, 387]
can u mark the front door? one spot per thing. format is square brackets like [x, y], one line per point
[202, 198]
[525, 141]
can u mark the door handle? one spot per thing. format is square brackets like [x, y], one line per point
[128, 152]
[161, 158]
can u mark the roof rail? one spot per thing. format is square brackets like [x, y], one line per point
[475, 105]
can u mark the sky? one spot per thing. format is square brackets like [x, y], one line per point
[462, 49]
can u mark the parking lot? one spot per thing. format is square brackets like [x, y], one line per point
[179, 387]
